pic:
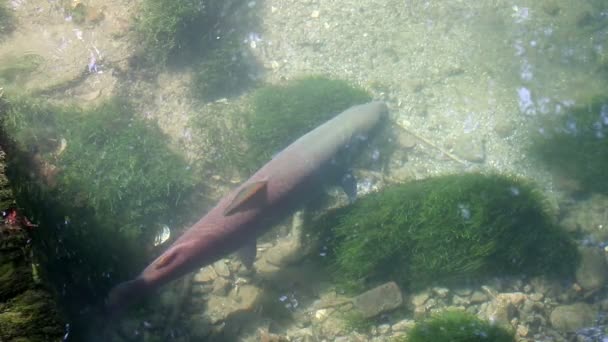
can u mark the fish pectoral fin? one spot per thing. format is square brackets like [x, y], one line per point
[251, 195]
[167, 257]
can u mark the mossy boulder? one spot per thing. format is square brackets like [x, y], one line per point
[282, 113]
[31, 316]
[456, 326]
[445, 228]
[274, 117]
[574, 145]
[100, 183]
[173, 32]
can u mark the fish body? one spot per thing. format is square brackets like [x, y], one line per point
[229, 226]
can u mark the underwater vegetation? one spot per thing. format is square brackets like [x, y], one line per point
[170, 31]
[282, 113]
[446, 228]
[100, 183]
[575, 145]
[275, 116]
[456, 326]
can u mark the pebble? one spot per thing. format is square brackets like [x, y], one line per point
[403, 325]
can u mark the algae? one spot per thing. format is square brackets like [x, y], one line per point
[456, 326]
[274, 117]
[447, 228]
[100, 183]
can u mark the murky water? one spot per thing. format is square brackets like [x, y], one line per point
[471, 86]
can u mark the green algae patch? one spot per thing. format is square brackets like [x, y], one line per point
[100, 183]
[275, 116]
[454, 326]
[445, 229]
[280, 114]
[30, 316]
[574, 145]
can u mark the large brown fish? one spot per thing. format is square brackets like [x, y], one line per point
[273, 192]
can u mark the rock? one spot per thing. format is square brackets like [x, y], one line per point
[288, 249]
[570, 318]
[503, 307]
[221, 286]
[205, 275]
[404, 325]
[458, 300]
[591, 272]
[420, 298]
[384, 329]
[478, 297]
[243, 299]
[221, 268]
[442, 292]
[381, 299]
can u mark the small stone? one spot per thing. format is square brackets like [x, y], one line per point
[381, 299]
[420, 298]
[458, 300]
[537, 297]
[221, 268]
[404, 325]
[478, 297]
[205, 275]
[522, 330]
[384, 329]
[315, 14]
[220, 287]
[441, 291]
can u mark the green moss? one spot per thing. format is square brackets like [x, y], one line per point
[100, 182]
[445, 228]
[575, 145]
[175, 29]
[31, 317]
[283, 113]
[276, 116]
[456, 326]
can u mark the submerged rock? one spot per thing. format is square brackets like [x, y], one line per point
[592, 271]
[380, 299]
[569, 318]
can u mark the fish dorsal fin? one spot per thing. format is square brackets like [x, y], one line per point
[249, 196]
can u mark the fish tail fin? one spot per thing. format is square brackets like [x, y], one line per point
[125, 294]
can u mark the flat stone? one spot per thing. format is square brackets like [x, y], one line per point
[381, 299]
[570, 318]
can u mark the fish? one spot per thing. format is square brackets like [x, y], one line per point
[273, 192]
